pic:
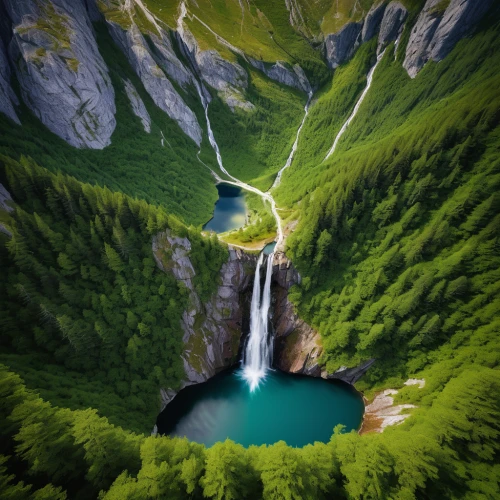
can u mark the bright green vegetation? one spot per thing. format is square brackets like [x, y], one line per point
[80, 282]
[330, 108]
[135, 163]
[443, 454]
[255, 144]
[397, 242]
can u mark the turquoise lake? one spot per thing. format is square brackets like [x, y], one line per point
[293, 408]
[229, 211]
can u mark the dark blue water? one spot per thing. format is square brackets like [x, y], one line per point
[292, 408]
[230, 210]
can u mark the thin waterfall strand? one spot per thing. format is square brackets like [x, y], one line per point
[295, 144]
[369, 79]
[257, 358]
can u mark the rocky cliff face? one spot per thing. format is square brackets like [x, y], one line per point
[229, 79]
[437, 30]
[134, 46]
[212, 330]
[137, 105]
[392, 25]
[62, 76]
[279, 72]
[372, 21]
[8, 99]
[298, 346]
[339, 47]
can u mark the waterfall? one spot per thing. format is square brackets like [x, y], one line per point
[295, 144]
[369, 79]
[258, 354]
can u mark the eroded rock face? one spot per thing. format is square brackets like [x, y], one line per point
[212, 331]
[5, 204]
[8, 99]
[436, 32]
[137, 105]
[62, 75]
[158, 86]
[298, 346]
[372, 21]
[279, 72]
[228, 78]
[167, 59]
[392, 25]
[341, 46]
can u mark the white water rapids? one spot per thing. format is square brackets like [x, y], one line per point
[369, 79]
[258, 355]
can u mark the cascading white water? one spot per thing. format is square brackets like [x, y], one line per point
[369, 79]
[258, 354]
[295, 144]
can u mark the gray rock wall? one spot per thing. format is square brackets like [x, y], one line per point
[298, 346]
[340, 46]
[228, 78]
[156, 83]
[62, 76]
[213, 330]
[392, 25]
[137, 105]
[436, 32]
[372, 21]
[8, 99]
[294, 77]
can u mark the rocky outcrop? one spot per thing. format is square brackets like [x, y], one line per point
[298, 346]
[437, 31]
[212, 330]
[168, 61]
[382, 412]
[8, 99]
[372, 21]
[281, 73]
[137, 105]
[351, 375]
[5, 199]
[5, 204]
[134, 46]
[228, 78]
[392, 25]
[296, 17]
[62, 76]
[340, 46]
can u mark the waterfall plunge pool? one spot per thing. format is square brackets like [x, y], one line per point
[230, 210]
[294, 408]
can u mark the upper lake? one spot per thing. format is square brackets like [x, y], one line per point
[230, 210]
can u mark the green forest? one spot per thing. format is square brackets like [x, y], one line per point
[396, 237]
